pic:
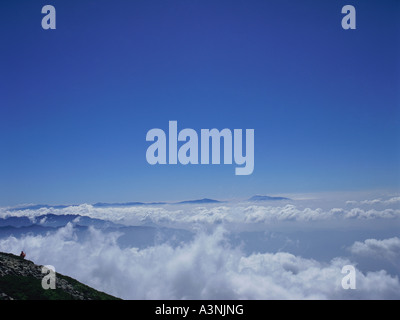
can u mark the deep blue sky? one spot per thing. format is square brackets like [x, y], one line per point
[77, 102]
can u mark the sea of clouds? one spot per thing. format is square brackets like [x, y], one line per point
[239, 250]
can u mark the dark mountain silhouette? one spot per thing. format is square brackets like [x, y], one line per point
[25, 230]
[55, 220]
[15, 222]
[138, 236]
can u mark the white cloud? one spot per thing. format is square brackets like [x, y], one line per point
[388, 249]
[206, 268]
[357, 213]
[371, 202]
[255, 214]
[241, 213]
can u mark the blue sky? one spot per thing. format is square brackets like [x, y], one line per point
[77, 102]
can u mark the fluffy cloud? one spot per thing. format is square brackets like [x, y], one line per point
[388, 249]
[192, 216]
[357, 213]
[206, 268]
[255, 214]
[390, 201]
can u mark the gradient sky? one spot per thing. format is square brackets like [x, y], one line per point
[76, 102]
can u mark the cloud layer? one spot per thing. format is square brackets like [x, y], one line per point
[239, 250]
[235, 213]
[387, 249]
[206, 268]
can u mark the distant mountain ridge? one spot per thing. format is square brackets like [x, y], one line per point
[128, 204]
[139, 203]
[54, 220]
[21, 279]
[125, 204]
[140, 236]
[266, 198]
[114, 204]
[205, 200]
[38, 206]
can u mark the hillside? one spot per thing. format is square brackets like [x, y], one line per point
[21, 279]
